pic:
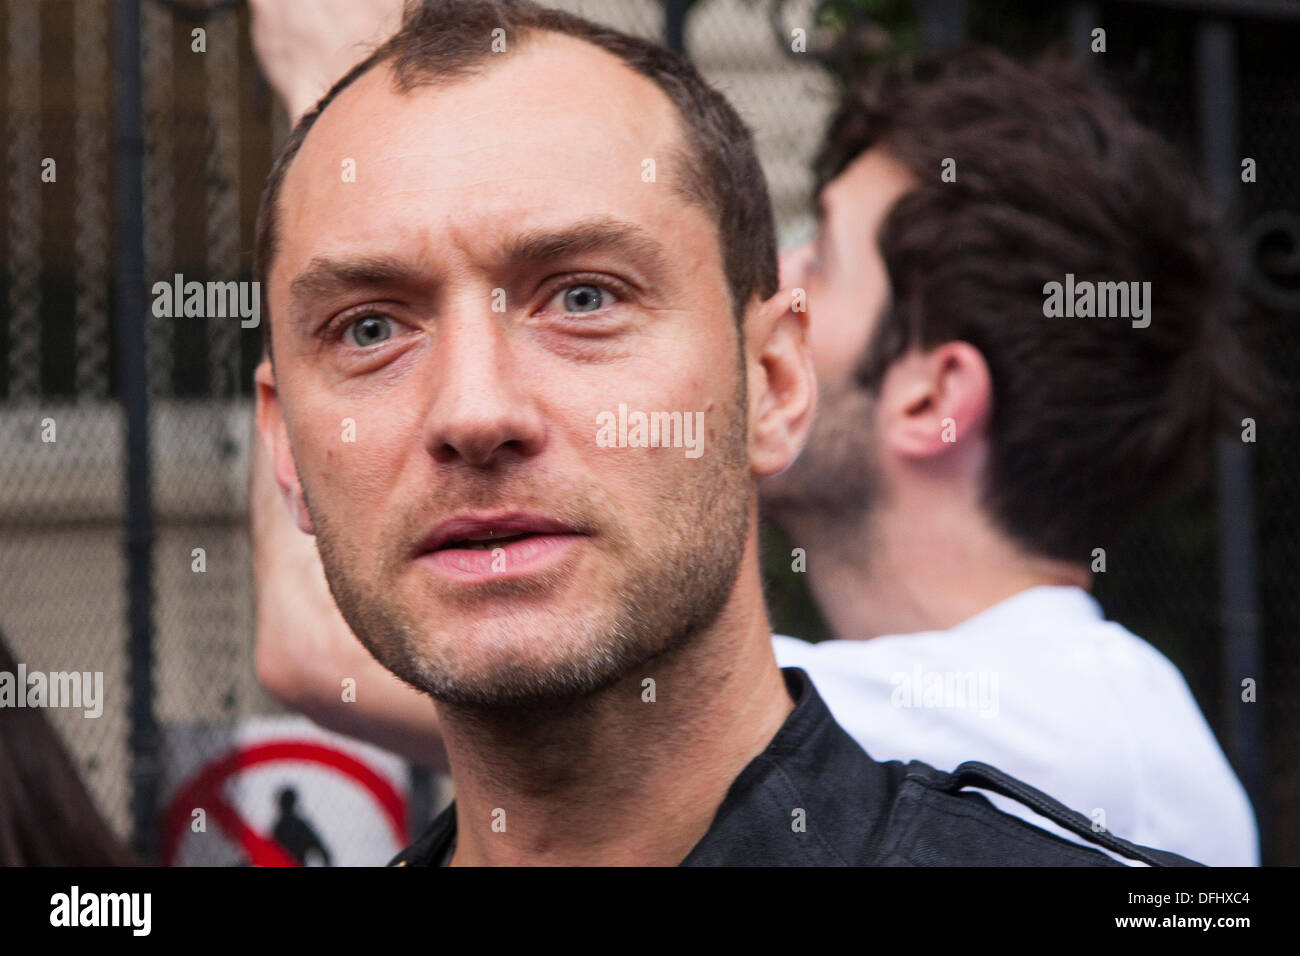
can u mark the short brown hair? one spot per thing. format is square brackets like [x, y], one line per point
[445, 40]
[1092, 418]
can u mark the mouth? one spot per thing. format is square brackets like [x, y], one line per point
[497, 545]
[483, 532]
[486, 544]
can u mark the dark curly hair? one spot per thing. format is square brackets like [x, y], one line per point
[1092, 418]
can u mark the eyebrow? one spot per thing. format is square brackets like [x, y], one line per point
[600, 234]
[325, 276]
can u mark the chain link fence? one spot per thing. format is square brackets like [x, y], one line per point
[63, 567]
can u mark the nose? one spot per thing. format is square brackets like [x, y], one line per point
[792, 262]
[484, 410]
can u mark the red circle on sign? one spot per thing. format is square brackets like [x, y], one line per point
[205, 792]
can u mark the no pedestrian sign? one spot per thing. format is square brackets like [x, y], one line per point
[282, 792]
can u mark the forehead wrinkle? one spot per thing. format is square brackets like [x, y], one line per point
[682, 173]
[461, 187]
[685, 177]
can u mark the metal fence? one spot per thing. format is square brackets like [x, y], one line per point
[149, 417]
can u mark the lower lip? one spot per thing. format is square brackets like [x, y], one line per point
[512, 560]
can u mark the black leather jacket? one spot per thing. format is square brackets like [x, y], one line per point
[814, 797]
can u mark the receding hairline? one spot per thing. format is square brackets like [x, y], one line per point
[689, 182]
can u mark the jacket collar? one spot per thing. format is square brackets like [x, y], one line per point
[783, 806]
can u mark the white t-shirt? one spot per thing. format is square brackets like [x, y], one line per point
[1043, 687]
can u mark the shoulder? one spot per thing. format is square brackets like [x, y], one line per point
[935, 821]
[1177, 755]
[878, 663]
[863, 812]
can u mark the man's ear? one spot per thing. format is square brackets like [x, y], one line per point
[275, 439]
[782, 383]
[932, 401]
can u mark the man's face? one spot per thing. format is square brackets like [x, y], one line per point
[846, 287]
[468, 276]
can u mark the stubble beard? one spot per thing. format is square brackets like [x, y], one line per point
[835, 481]
[666, 593]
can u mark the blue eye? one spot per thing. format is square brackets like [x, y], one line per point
[583, 298]
[371, 330]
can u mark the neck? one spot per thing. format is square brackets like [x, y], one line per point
[616, 779]
[930, 567]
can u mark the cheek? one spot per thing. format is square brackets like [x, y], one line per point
[837, 339]
[695, 396]
[349, 455]
[841, 320]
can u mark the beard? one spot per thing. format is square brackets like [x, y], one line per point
[836, 477]
[645, 597]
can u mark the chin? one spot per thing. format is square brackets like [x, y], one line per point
[515, 660]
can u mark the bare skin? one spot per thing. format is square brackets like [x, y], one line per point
[456, 402]
[305, 650]
[304, 647]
